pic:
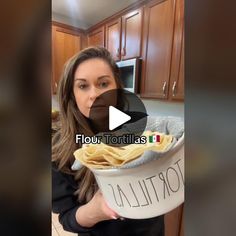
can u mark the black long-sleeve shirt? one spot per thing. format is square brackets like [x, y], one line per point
[66, 204]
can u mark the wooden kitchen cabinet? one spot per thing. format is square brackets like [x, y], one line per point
[174, 222]
[65, 43]
[113, 38]
[131, 34]
[123, 35]
[176, 89]
[157, 48]
[97, 37]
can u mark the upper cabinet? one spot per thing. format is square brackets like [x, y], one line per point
[176, 89]
[97, 37]
[113, 38]
[123, 35]
[65, 43]
[157, 48]
[152, 30]
[163, 50]
[131, 34]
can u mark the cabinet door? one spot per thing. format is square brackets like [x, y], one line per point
[65, 44]
[113, 37]
[131, 34]
[174, 222]
[157, 48]
[97, 37]
[177, 69]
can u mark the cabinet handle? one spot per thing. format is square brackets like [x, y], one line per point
[173, 89]
[118, 52]
[124, 51]
[164, 89]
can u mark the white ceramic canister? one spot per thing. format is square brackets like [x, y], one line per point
[148, 190]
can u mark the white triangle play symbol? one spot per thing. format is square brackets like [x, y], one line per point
[116, 117]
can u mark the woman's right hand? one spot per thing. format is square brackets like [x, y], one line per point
[94, 211]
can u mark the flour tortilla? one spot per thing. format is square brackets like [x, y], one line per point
[100, 156]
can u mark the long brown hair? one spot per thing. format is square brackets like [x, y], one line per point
[74, 122]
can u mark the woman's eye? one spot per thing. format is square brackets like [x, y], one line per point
[82, 86]
[104, 84]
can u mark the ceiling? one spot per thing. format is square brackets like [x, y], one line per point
[85, 13]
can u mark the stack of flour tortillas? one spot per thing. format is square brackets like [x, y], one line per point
[100, 156]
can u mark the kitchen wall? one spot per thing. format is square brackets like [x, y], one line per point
[153, 107]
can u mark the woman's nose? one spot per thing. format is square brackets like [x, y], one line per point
[94, 93]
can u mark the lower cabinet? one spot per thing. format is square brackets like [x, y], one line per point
[174, 222]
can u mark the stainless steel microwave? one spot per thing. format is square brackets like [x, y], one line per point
[130, 73]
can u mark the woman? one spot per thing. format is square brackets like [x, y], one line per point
[76, 197]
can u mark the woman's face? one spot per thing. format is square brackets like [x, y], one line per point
[92, 78]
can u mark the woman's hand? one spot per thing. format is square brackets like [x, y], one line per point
[94, 211]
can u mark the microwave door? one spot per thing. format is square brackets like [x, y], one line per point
[128, 74]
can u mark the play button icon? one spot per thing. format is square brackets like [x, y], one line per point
[117, 118]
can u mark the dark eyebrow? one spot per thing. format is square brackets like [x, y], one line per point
[99, 78]
[80, 79]
[104, 76]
